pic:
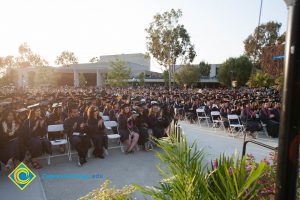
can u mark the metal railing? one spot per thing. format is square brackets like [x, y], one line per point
[257, 143]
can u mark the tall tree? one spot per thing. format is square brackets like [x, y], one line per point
[82, 80]
[66, 58]
[28, 58]
[168, 41]
[187, 75]
[45, 75]
[204, 68]
[264, 35]
[268, 64]
[166, 77]
[238, 69]
[95, 59]
[119, 74]
[6, 63]
[31, 78]
[141, 78]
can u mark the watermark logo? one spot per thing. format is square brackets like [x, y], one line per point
[22, 176]
[46, 176]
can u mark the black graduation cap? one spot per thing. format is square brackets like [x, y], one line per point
[125, 105]
[142, 104]
[44, 103]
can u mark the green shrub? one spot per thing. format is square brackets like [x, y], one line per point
[235, 179]
[259, 79]
[187, 176]
[105, 193]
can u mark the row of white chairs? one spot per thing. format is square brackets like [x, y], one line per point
[65, 140]
[235, 126]
[218, 121]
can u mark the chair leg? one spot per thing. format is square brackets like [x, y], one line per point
[137, 148]
[122, 148]
[49, 161]
[69, 152]
[231, 131]
[105, 151]
[207, 122]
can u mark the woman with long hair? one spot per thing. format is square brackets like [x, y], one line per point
[96, 130]
[9, 140]
[127, 129]
[157, 121]
[35, 131]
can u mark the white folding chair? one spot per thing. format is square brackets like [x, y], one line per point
[217, 119]
[56, 142]
[202, 116]
[109, 125]
[105, 118]
[264, 127]
[235, 125]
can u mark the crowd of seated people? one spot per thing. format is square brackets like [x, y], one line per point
[140, 113]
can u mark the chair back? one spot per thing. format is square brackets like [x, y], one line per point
[234, 118]
[109, 124]
[105, 118]
[200, 110]
[215, 113]
[55, 128]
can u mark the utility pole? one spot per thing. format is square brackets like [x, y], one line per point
[257, 37]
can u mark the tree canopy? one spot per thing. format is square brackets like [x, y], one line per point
[141, 78]
[265, 35]
[95, 59]
[238, 69]
[26, 58]
[204, 68]
[66, 58]
[274, 67]
[119, 74]
[259, 79]
[168, 41]
[187, 75]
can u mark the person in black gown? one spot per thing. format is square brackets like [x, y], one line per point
[96, 130]
[127, 128]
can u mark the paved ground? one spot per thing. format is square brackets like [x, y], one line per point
[215, 142]
[139, 168]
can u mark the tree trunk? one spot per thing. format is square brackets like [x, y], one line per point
[170, 83]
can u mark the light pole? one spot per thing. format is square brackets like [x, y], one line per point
[257, 37]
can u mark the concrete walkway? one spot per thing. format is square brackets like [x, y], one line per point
[216, 142]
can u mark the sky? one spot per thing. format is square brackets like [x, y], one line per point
[105, 27]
